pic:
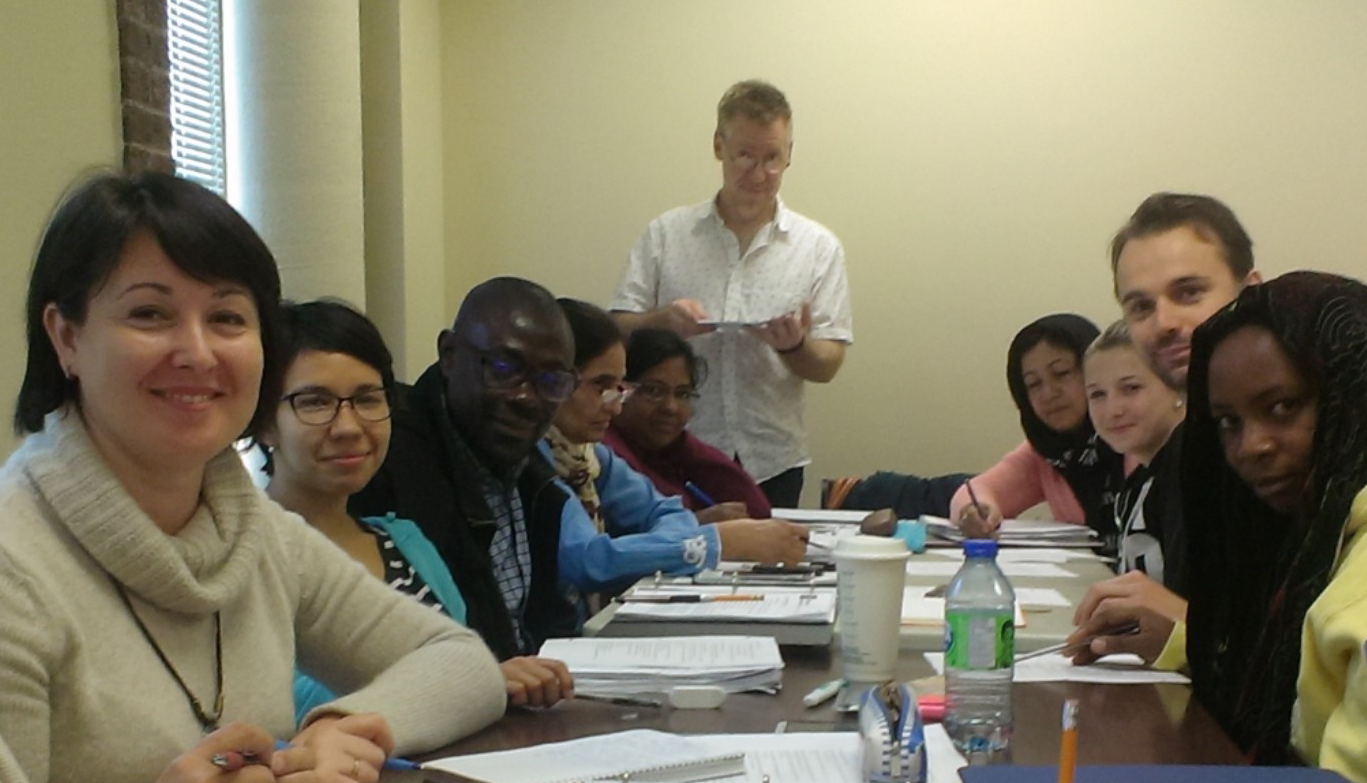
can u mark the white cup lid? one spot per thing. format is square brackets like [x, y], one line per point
[864, 547]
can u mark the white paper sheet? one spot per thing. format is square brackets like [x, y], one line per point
[585, 758]
[822, 757]
[918, 566]
[918, 609]
[1113, 669]
[820, 515]
[1041, 596]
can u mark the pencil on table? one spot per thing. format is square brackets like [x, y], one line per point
[1067, 752]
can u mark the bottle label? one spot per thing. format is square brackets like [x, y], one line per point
[979, 640]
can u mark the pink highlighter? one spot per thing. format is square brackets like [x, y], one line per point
[932, 707]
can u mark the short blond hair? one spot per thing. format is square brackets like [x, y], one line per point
[1117, 335]
[754, 100]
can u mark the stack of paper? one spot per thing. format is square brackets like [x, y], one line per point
[612, 667]
[1021, 532]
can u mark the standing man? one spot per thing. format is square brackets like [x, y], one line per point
[1178, 260]
[743, 257]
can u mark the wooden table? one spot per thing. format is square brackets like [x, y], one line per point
[1121, 724]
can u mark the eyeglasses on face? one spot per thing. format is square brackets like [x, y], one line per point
[656, 393]
[773, 164]
[610, 391]
[317, 408]
[504, 374]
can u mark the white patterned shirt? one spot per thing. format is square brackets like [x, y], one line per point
[751, 404]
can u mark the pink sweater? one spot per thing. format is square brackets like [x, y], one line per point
[1020, 480]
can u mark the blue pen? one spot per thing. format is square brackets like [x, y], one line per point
[699, 495]
[391, 763]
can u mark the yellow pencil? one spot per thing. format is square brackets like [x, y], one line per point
[1067, 752]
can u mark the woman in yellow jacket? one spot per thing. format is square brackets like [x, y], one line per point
[1274, 457]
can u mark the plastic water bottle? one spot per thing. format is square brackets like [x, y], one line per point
[980, 649]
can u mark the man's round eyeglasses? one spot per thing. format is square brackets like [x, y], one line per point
[319, 407]
[503, 374]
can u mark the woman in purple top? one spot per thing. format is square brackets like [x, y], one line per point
[650, 432]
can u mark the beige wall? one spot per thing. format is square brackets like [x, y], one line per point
[974, 156]
[61, 116]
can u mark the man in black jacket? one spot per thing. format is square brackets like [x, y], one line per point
[463, 465]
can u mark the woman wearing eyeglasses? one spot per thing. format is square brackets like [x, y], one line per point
[646, 531]
[329, 436]
[650, 433]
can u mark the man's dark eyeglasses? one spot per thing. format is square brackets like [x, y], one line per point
[505, 374]
[657, 392]
[320, 407]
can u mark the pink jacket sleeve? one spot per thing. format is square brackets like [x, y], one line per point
[1020, 480]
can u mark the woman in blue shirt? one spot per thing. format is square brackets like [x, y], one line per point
[628, 529]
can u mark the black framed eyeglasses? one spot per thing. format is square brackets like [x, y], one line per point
[321, 407]
[657, 392]
[503, 374]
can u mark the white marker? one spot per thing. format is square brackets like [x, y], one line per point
[823, 693]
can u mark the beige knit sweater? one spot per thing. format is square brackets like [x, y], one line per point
[83, 696]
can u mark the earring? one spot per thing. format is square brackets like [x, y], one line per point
[1180, 402]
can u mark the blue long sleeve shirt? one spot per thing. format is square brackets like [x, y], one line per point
[645, 531]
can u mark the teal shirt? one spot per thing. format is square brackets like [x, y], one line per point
[427, 562]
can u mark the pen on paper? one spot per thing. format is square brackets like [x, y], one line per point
[1067, 753]
[1065, 648]
[684, 598]
[699, 495]
[816, 544]
[620, 701]
[823, 693]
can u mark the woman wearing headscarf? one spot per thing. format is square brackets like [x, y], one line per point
[1275, 461]
[1062, 461]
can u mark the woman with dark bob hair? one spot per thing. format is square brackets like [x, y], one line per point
[154, 601]
[650, 432]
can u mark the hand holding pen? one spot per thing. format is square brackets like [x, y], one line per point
[230, 753]
[979, 519]
[1132, 598]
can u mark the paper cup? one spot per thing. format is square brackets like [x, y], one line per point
[870, 573]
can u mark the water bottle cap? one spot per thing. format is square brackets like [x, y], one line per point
[980, 547]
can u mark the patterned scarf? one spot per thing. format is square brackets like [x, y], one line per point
[578, 466]
[1093, 471]
[1260, 570]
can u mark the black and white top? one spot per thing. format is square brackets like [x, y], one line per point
[399, 573]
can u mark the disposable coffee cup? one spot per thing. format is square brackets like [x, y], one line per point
[870, 573]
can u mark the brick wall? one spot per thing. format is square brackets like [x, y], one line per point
[146, 85]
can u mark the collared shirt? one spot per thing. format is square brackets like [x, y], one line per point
[751, 404]
[509, 551]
